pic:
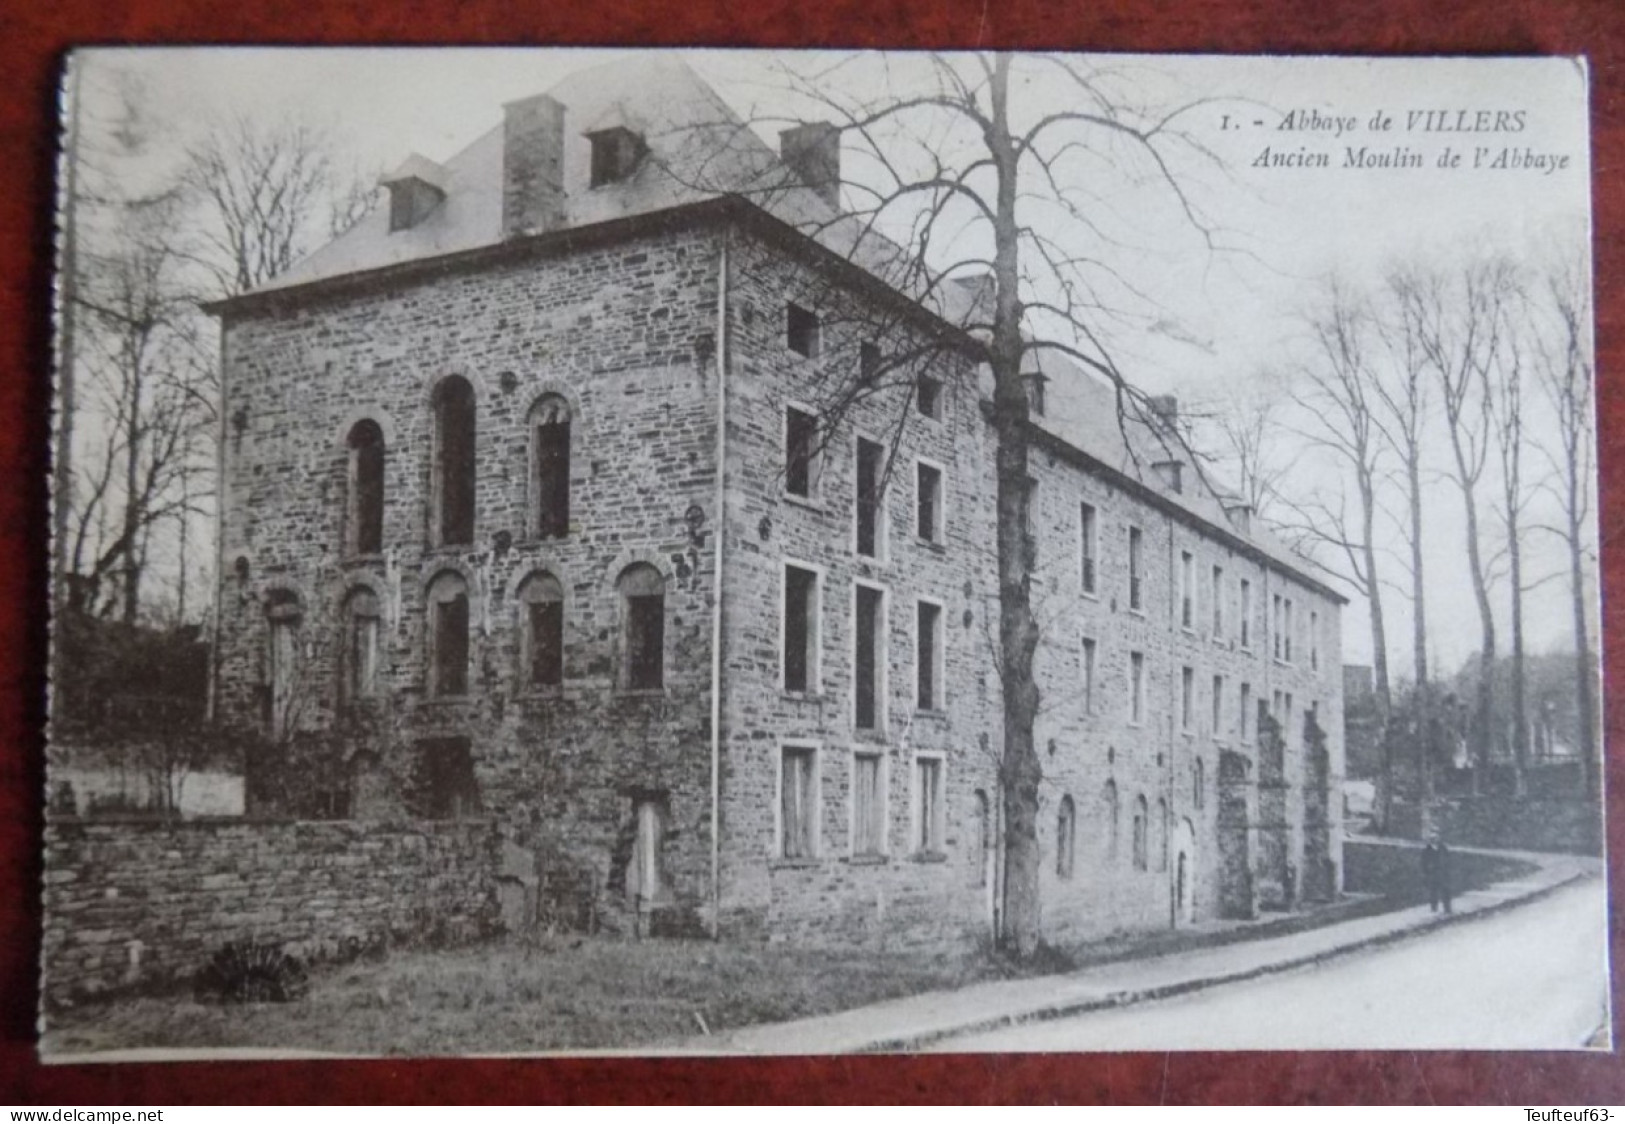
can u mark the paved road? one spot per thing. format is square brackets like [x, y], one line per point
[1532, 977]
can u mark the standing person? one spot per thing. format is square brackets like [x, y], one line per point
[1436, 872]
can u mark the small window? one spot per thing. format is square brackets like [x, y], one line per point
[448, 636]
[869, 662]
[928, 656]
[870, 494]
[444, 786]
[800, 453]
[928, 807]
[1287, 630]
[1276, 619]
[1246, 614]
[868, 804]
[644, 877]
[542, 601]
[1217, 729]
[1066, 834]
[869, 363]
[366, 475]
[615, 154]
[1035, 392]
[360, 654]
[801, 641]
[1245, 717]
[1136, 687]
[928, 502]
[1187, 591]
[1136, 576]
[1216, 592]
[1141, 815]
[1187, 698]
[802, 331]
[453, 493]
[1198, 784]
[798, 802]
[1088, 675]
[285, 699]
[1159, 826]
[928, 397]
[1314, 640]
[643, 607]
[1088, 547]
[1109, 817]
[550, 467]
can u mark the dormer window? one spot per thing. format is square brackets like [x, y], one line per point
[615, 154]
[1172, 474]
[1035, 392]
[416, 188]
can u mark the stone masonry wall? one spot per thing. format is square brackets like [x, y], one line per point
[142, 904]
[625, 335]
[907, 894]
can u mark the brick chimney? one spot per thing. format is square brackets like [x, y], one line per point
[813, 153]
[532, 165]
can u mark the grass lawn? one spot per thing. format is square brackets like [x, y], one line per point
[518, 997]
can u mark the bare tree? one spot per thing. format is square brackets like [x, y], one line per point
[963, 188]
[1341, 420]
[1506, 420]
[1460, 317]
[1564, 369]
[1242, 434]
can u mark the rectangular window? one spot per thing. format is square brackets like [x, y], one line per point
[553, 479]
[870, 483]
[928, 501]
[1218, 706]
[928, 397]
[646, 642]
[1287, 630]
[547, 643]
[1187, 697]
[1187, 591]
[1245, 716]
[1088, 546]
[1136, 687]
[363, 655]
[798, 802]
[869, 659]
[1246, 613]
[1136, 550]
[1286, 721]
[451, 646]
[1275, 625]
[868, 804]
[1088, 675]
[800, 453]
[1217, 593]
[1314, 641]
[868, 363]
[801, 331]
[928, 656]
[800, 629]
[928, 806]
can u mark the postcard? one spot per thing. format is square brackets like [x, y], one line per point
[669, 552]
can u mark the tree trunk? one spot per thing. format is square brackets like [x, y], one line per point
[1020, 770]
[1379, 649]
[1520, 726]
[1584, 685]
[1423, 702]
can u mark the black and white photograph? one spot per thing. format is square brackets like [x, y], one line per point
[657, 552]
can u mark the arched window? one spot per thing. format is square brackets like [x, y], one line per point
[1160, 826]
[1066, 828]
[453, 483]
[1109, 817]
[364, 522]
[283, 698]
[542, 653]
[360, 654]
[1140, 816]
[643, 627]
[448, 635]
[550, 467]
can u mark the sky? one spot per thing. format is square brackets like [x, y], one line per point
[1219, 315]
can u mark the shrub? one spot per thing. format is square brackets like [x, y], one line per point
[252, 972]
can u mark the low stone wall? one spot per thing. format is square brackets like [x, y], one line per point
[1495, 821]
[1394, 869]
[133, 904]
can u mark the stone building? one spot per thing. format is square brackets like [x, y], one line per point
[547, 497]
